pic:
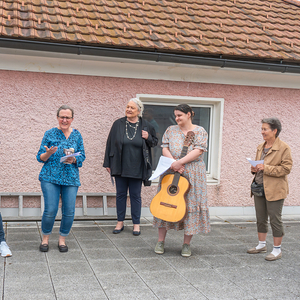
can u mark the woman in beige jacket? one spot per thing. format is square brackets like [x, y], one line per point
[272, 175]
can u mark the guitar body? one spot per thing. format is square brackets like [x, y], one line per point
[169, 203]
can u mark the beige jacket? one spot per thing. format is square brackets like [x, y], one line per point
[277, 165]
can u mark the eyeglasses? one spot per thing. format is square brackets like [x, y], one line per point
[67, 118]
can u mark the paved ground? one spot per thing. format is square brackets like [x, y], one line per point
[100, 265]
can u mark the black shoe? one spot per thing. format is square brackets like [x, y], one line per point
[116, 231]
[44, 247]
[136, 233]
[63, 248]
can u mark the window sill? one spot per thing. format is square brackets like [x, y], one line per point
[209, 181]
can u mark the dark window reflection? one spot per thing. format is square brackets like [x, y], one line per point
[162, 116]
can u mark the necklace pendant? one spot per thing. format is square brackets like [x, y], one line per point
[135, 130]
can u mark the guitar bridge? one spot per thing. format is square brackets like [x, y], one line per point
[168, 205]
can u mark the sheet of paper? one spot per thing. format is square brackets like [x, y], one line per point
[254, 163]
[164, 164]
[62, 159]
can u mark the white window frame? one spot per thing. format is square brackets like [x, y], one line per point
[216, 125]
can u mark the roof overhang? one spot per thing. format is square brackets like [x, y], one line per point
[149, 55]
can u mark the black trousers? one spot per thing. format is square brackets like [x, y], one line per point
[123, 184]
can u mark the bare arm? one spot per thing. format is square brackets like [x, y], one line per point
[194, 154]
[49, 151]
[166, 152]
[178, 166]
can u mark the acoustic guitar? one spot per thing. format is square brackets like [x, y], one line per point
[169, 203]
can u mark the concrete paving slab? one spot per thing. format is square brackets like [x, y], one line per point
[246, 259]
[109, 253]
[265, 289]
[145, 252]
[83, 225]
[165, 278]
[22, 229]
[141, 293]
[28, 295]
[251, 240]
[111, 266]
[95, 244]
[101, 265]
[178, 293]
[86, 235]
[16, 236]
[83, 285]
[53, 244]
[73, 255]
[23, 246]
[130, 242]
[121, 281]
[83, 295]
[192, 263]
[28, 270]
[86, 228]
[28, 287]
[221, 240]
[34, 225]
[236, 248]
[150, 264]
[28, 256]
[76, 268]
[215, 261]
[203, 249]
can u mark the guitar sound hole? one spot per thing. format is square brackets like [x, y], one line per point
[173, 189]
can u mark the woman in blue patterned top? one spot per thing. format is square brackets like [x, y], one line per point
[60, 178]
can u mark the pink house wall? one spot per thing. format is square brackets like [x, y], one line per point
[28, 108]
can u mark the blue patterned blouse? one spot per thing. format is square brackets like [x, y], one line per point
[53, 170]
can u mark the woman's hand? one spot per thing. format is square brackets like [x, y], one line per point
[108, 170]
[145, 134]
[254, 169]
[70, 160]
[260, 167]
[177, 166]
[48, 153]
[50, 150]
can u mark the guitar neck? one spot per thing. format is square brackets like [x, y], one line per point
[177, 175]
[184, 151]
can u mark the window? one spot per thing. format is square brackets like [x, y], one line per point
[208, 114]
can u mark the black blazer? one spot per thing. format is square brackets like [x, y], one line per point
[114, 144]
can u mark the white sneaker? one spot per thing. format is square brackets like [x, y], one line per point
[4, 250]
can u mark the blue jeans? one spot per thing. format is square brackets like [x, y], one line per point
[134, 186]
[2, 234]
[51, 194]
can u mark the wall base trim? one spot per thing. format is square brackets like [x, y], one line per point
[217, 211]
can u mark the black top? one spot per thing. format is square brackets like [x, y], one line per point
[132, 153]
[114, 147]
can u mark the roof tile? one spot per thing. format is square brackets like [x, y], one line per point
[253, 29]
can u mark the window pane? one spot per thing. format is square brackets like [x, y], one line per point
[162, 116]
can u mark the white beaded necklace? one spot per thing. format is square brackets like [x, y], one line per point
[135, 129]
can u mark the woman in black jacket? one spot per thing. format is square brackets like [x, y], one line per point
[128, 159]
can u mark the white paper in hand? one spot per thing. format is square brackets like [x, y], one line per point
[164, 164]
[62, 159]
[254, 163]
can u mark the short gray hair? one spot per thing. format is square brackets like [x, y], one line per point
[274, 123]
[65, 107]
[139, 105]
